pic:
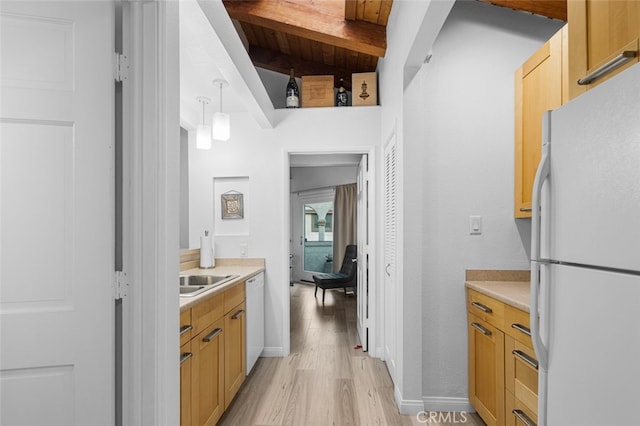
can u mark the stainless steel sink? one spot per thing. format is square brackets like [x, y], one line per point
[192, 285]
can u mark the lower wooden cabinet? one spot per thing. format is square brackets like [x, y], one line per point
[213, 362]
[486, 370]
[207, 378]
[503, 370]
[234, 349]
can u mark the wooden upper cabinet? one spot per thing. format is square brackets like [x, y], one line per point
[599, 31]
[538, 87]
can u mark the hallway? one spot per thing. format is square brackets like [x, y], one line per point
[324, 381]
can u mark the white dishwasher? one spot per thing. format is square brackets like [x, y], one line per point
[255, 319]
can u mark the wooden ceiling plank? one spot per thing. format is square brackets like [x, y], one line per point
[305, 49]
[305, 22]
[556, 9]
[261, 39]
[294, 45]
[360, 10]
[329, 54]
[385, 11]
[272, 39]
[316, 51]
[350, 8]
[352, 59]
[248, 32]
[340, 60]
[276, 61]
[372, 11]
[283, 43]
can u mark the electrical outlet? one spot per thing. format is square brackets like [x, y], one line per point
[244, 250]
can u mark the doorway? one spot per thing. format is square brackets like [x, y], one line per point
[313, 178]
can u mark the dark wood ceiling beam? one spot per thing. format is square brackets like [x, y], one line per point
[278, 62]
[556, 9]
[305, 20]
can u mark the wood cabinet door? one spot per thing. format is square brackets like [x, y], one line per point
[207, 375]
[538, 88]
[600, 30]
[186, 358]
[486, 370]
[234, 351]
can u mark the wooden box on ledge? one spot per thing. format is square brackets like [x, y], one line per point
[317, 91]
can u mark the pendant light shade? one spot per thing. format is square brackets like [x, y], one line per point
[221, 126]
[221, 130]
[203, 132]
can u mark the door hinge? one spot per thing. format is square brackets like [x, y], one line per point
[120, 285]
[121, 72]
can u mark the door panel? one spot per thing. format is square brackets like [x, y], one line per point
[363, 253]
[593, 346]
[594, 176]
[56, 220]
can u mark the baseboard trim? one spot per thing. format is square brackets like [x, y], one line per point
[407, 407]
[444, 404]
[273, 352]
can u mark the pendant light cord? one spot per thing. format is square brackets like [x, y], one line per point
[220, 97]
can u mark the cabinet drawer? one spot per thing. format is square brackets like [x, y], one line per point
[205, 313]
[521, 373]
[516, 413]
[186, 327]
[517, 325]
[486, 308]
[233, 297]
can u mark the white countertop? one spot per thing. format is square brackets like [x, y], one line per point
[243, 268]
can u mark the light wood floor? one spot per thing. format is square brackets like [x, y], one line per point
[325, 380]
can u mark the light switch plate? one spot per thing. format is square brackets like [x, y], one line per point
[244, 250]
[475, 225]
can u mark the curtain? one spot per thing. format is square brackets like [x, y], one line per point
[345, 206]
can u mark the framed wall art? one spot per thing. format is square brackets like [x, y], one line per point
[232, 205]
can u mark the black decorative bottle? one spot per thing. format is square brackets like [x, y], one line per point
[341, 95]
[293, 94]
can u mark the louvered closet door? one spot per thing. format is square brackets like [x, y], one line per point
[390, 285]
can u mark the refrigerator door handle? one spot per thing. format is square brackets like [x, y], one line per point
[542, 174]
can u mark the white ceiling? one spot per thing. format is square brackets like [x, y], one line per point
[210, 49]
[198, 67]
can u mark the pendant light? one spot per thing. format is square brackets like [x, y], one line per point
[203, 133]
[221, 123]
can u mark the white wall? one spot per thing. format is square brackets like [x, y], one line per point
[262, 156]
[461, 127]
[304, 178]
[412, 29]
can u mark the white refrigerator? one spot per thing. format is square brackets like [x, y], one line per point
[585, 268]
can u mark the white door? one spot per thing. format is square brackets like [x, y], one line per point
[390, 287]
[310, 254]
[57, 213]
[363, 252]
